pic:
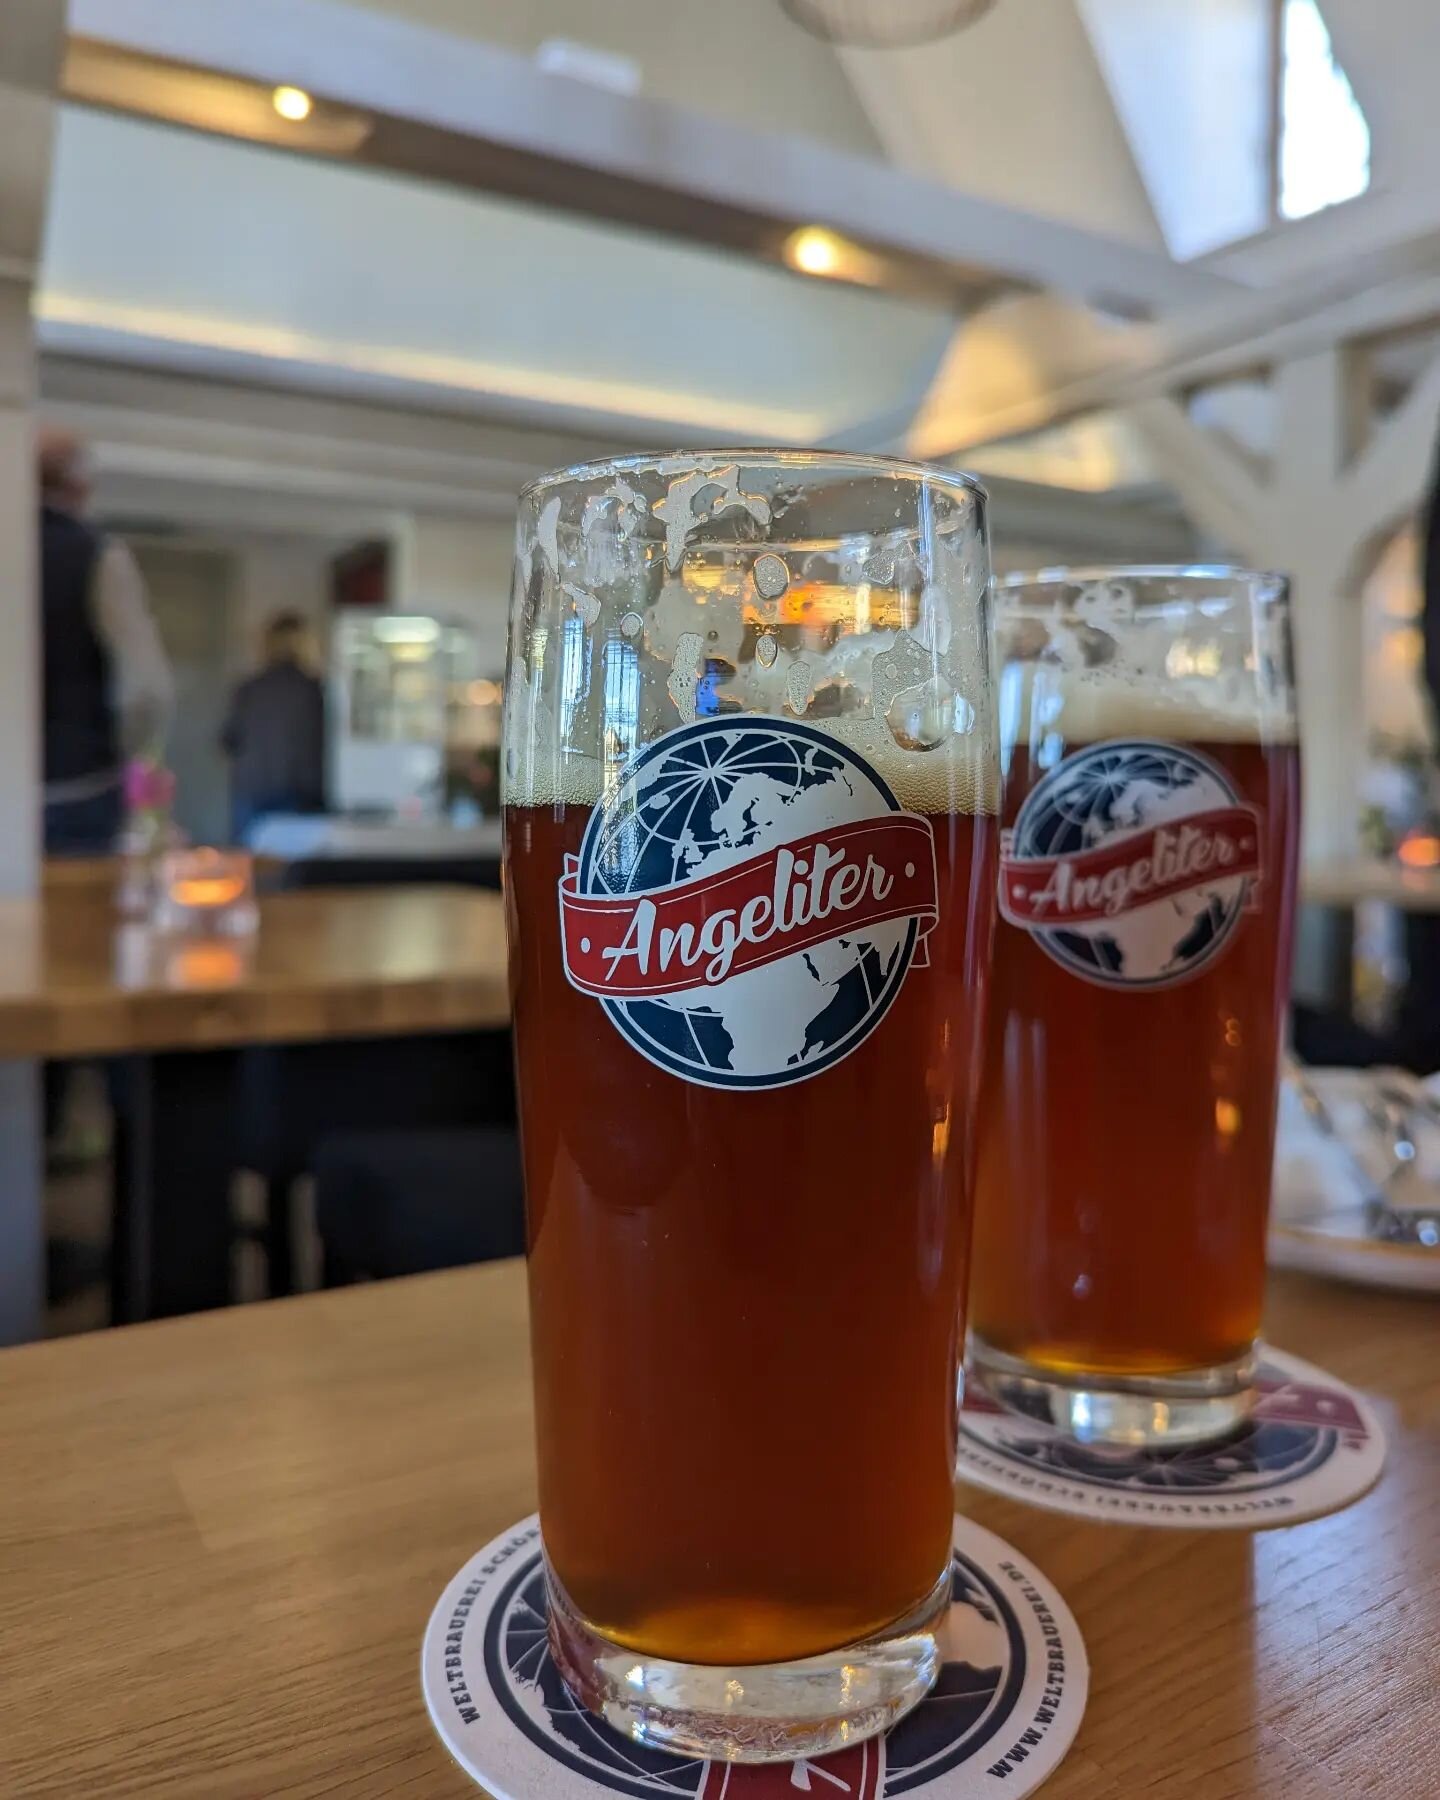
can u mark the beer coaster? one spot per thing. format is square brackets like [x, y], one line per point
[1006, 1707]
[1310, 1447]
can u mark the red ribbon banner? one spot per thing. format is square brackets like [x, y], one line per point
[1129, 872]
[778, 903]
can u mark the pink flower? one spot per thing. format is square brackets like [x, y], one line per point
[149, 786]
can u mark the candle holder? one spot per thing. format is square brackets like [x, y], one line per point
[206, 893]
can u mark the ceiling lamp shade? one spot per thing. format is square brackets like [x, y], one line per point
[884, 24]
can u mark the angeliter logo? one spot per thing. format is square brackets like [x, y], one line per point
[1131, 862]
[747, 902]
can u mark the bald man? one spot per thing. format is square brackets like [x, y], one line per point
[107, 686]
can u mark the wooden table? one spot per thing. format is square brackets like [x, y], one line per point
[1346, 881]
[220, 1539]
[76, 980]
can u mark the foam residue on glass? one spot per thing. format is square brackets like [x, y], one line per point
[728, 587]
[1192, 655]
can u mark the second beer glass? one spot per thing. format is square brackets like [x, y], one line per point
[1151, 800]
[750, 784]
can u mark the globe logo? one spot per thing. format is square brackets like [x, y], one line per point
[1131, 863]
[748, 901]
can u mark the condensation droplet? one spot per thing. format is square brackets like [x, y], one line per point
[631, 625]
[928, 715]
[771, 576]
[547, 532]
[584, 602]
[685, 674]
[799, 686]
[765, 649]
[897, 669]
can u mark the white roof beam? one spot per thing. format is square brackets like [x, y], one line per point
[1250, 331]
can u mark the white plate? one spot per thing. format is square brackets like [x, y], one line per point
[1317, 1219]
[1340, 1248]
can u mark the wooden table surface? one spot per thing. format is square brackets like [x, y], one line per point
[76, 980]
[220, 1539]
[1348, 881]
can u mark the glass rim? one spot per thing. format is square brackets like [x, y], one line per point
[862, 462]
[1063, 574]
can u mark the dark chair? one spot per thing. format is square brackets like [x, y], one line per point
[290, 1097]
[404, 1202]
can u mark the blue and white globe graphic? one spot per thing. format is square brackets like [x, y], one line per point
[700, 800]
[1118, 789]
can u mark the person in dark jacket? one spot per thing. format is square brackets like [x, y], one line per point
[275, 734]
[107, 686]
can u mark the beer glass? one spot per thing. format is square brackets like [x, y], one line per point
[1151, 799]
[750, 789]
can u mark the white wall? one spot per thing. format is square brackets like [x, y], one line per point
[275, 575]
[30, 38]
[1390, 54]
[202, 252]
[212, 596]
[459, 569]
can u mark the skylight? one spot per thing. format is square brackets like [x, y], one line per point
[1324, 139]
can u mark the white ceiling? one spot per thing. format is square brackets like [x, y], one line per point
[744, 60]
[1014, 108]
[164, 246]
[217, 257]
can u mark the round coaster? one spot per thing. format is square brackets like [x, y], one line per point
[1310, 1447]
[1006, 1707]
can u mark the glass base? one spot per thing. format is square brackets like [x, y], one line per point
[763, 1712]
[1139, 1411]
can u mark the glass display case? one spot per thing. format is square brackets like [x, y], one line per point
[412, 716]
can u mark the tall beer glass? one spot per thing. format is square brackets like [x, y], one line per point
[750, 779]
[1151, 798]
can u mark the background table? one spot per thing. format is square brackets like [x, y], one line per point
[1345, 882]
[76, 980]
[220, 1539]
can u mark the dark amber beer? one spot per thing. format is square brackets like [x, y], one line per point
[1141, 974]
[752, 839]
[746, 1318]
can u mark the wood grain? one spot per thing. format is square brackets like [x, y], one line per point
[220, 1538]
[1347, 882]
[75, 980]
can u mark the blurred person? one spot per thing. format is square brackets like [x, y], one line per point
[107, 687]
[275, 733]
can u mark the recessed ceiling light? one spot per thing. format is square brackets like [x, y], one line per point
[292, 103]
[814, 250]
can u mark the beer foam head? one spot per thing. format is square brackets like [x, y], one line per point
[1087, 706]
[957, 776]
[1180, 653]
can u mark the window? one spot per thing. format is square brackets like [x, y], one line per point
[1322, 138]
